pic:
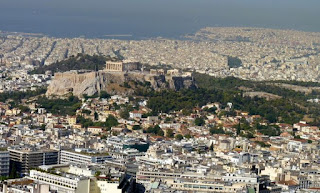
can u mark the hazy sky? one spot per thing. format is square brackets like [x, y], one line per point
[150, 18]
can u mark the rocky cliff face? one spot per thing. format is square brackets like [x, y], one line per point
[90, 83]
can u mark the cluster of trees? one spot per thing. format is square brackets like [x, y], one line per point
[228, 83]
[124, 113]
[270, 130]
[67, 106]
[103, 95]
[280, 91]
[23, 108]
[178, 137]
[16, 96]
[87, 112]
[111, 121]
[300, 83]
[199, 121]
[169, 100]
[278, 110]
[155, 130]
[262, 144]
[216, 130]
[170, 133]
[290, 108]
[85, 122]
[211, 110]
[244, 129]
[79, 62]
[232, 83]
[136, 127]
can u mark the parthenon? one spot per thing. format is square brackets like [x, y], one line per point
[121, 66]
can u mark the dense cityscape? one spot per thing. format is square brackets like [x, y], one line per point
[265, 54]
[161, 115]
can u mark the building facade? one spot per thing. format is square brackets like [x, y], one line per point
[79, 158]
[62, 184]
[25, 159]
[4, 163]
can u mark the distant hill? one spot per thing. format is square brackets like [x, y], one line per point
[79, 62]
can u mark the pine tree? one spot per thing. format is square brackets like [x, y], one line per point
[211, 148]
[238, 129]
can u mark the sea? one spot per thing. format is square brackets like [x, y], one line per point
[145, 19]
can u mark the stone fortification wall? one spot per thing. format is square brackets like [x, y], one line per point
[90, 83]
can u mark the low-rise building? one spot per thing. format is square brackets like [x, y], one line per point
[82, 157]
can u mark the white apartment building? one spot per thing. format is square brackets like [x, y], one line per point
[80, 158]
[66, 183]
[29, 188]
[208, 186]
[240, 178]
[107, 186]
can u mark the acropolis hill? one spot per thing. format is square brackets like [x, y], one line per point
[112, 80]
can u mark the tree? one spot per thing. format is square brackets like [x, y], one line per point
[126, 85]
[43, 127]
[24, 109]
[155, 130]
[116, 106]
[262, 144]
[238, 127]
[97, 174]
[72, 98]
[104, 94]
[84, 122]
[170, 133]
[211, 110]
[124, 113]
[199, 121]
[115, 133]
[211, 148]
[168, 119]
[86, 111]
[216, 130]
[136, 127]
[96, 116]
[178, 137]
[160, 132]
[186, 112]
[111, 121]
[187, 136]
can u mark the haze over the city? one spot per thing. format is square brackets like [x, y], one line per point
[151, 18]
[166, 96]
